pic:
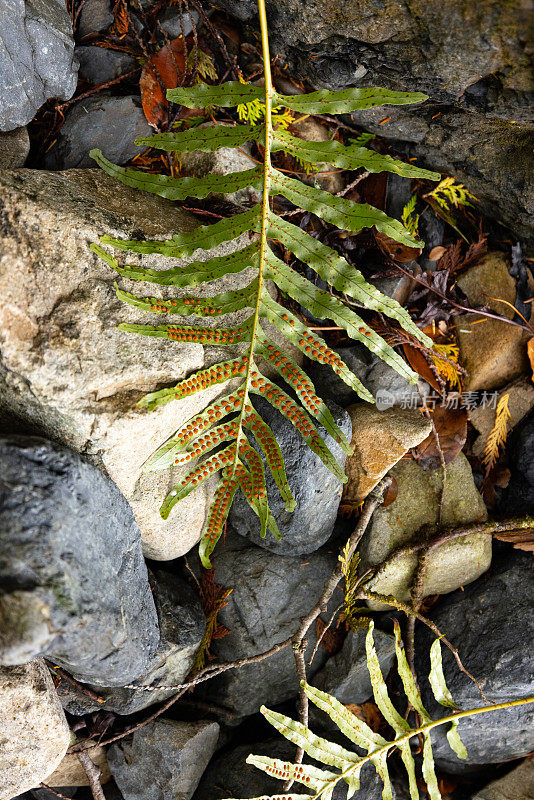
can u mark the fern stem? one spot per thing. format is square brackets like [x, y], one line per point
[264, 219]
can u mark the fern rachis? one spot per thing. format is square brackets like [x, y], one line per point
[219, 433]
[349, 764]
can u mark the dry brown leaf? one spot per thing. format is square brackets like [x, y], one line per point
[332, 639]
[161, 72]
[436, 253]
[521, 540]
[420, 364]
[369, 712]
[397, 251]
[530, 351]
[451, 428]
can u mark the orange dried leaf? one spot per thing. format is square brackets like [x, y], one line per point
[497, 436]
[530, 351]
[161, 72]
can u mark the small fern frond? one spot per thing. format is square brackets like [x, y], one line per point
[349, 764]
[217, 438]
[448, 193]
[410, 219]
[445, 356]
[497, 436]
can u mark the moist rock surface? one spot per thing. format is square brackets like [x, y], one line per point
[71, 566]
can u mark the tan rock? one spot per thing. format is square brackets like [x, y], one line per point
[492, 352]
[515, 785]
[34, 734]
[14, 148]
[379, 439]
[327, 176]
[451, 565]
[520, 401]
[71, 773]
[64, 365]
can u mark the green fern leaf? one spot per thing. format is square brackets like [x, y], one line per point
[225, 422]
[349, 764]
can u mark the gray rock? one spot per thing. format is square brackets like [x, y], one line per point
[391, 389]
[519, 495]
[171, 24]
[95, 16]
[36, 58]
[316, 490]
[476, 66]
[164, 760]
[492, 625]
[270, 593]
[109, 123]
[331, 387]
[346, 676]
[182, 625]
[228, 775]
[34, 732]
[98, 64]
[14, 148]
[518, 784]
[70, 545]
[66, 369]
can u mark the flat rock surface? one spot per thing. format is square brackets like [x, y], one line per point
[36, 58]
[492, 625]
[164, 760]
[451, 565]
[379, 439]
[69, 546]
[316, 490]
[34, 734]
[64, 365]
[517, 784]
[14, 148]
[270, 593]
[109, 123]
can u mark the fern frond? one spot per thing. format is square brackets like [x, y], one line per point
[218, 436]
[409, 218]
[349, 764]
[448, 193]
[497, 436]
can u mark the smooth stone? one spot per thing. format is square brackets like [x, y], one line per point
[380, 439]
[492, 626]
[14, 148]
[34, 734]
[345, 675]
[99, 65]
[172, 25]
[108, 123]
[164, 760]
[270, 594]
[518, 784]
[326, 176]
[36, 58]
[452, 564]
[316, 490]
[71, 772]
[66, 369]
[492, 352]
[95, 16]
[182, 624]
[329, 386]
[520, 402]
[519, 495]
[69, 541]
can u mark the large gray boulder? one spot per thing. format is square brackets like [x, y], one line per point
[75, 585]
[270, 594]
[36, 58]
[316, 490]
[492, 625]
[473, 60]
[164, 760]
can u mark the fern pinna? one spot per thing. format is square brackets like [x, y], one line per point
[220, 432]
[321, 783]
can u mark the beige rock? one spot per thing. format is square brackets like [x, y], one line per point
[327, 176]
[14, 148]
[64, 365]
[515, 785]
[223, 161]
[492, 352]
[451, 565]
[379, 439]
[520, 401]
[71, 773]
[34, 734]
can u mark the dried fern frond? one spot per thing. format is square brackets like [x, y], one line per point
[497, 436]
[321, 783]
[219, 434]
[444, 358]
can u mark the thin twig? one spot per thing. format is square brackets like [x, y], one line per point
[325, 629]
[54, 791]
[93, 773]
